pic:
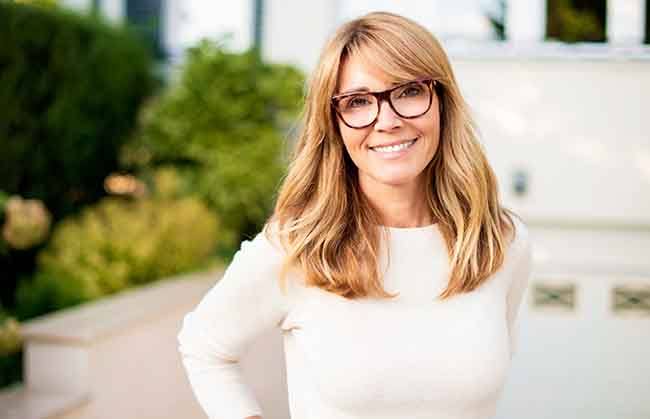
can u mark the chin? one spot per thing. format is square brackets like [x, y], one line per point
[396, 180]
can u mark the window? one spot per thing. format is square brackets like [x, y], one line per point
[145, 17]
[576, 20]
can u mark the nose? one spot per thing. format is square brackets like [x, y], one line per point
[387, 119]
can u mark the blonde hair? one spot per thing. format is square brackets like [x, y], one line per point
[325, 223]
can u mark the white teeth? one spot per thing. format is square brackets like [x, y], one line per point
[393, 148]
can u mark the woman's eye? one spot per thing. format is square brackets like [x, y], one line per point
[410, 91]
[356, 102]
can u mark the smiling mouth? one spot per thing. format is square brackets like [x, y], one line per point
[394, 148]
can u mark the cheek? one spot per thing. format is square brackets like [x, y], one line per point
[431, 128]
[353, 139]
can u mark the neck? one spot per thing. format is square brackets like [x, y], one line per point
[401, 206]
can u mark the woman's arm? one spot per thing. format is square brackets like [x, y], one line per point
[243, 304]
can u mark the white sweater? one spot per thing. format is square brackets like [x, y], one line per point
[412, 357]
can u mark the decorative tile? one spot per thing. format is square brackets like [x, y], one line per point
[632, 298]
[554, 294]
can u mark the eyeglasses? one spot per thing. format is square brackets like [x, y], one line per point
[408, 100]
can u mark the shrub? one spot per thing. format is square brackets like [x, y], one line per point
[10, 341]
[70, 87]
[10, 350]
[116, 244]
[223, 126]
[24, 226]
[4, 246]
[46, 292]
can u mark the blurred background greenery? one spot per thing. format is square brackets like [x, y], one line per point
[112, 176]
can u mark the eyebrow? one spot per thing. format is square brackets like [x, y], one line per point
[354, 90]
[364, 89]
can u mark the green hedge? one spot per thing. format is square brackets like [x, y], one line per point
[223, 124]
[70, 88]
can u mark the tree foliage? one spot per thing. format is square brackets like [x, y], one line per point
[223, 126]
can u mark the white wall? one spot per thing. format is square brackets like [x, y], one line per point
[526, 21]
[113, 10]
[189, 21]
[579, 128]
[80, 5]
[582, 364]
[446, 19]
[626, 21]
[294, 31]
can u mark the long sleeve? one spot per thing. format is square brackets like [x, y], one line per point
[520, 277]
[239, 307]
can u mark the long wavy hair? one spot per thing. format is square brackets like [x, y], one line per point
[328, 228]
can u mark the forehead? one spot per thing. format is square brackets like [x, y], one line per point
[356, 73]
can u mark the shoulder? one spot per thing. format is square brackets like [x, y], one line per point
[520, 249]
[256, 267]
[257, 261]
[262, 256]
[264, 247]
[520, 240]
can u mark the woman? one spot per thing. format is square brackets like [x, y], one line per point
[389, 263]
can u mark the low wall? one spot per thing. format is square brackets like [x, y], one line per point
[118, 358]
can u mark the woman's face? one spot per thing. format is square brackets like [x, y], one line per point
[383, 167]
